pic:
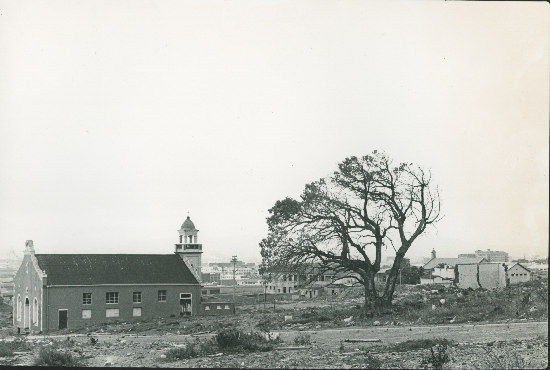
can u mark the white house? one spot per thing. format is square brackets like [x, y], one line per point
[518, 274]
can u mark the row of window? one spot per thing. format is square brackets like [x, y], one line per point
[519, 274]
[218, 307]
[112, 297]
[111, 312]
[309, 277]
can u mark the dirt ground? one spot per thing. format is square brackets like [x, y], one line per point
[520, 343]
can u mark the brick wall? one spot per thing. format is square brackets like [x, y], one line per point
[70, 298]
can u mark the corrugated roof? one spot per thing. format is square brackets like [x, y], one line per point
[92, 269]
[451, 261]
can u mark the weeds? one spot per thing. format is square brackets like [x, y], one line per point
[51, 357]
[302, 339]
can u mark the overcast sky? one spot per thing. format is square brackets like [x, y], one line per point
[119, 117]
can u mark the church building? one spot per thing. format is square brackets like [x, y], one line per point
[58, 291]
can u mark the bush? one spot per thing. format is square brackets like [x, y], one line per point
[8, 348]
[436, 359]
[191, 349]
[234, 339]
[302, 339]
[51, 357]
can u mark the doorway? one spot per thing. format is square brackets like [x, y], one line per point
[186, 306]
[63, 319]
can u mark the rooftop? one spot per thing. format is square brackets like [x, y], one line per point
[97, 269]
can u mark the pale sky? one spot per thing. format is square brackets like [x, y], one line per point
[119, 117]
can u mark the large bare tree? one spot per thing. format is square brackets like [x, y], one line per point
[345, 221]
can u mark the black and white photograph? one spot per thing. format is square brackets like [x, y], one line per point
[269, 184]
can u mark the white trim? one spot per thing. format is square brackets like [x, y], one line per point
[136, 284]
[41, 318]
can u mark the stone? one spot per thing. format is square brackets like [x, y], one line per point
[376, 323]
[162, 356]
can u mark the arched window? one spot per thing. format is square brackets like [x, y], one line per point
[35, 311]
[18, 307]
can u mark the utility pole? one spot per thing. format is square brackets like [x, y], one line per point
[234, 260]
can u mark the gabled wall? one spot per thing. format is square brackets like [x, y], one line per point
[28, 284]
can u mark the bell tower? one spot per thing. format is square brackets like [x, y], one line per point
[188, 248]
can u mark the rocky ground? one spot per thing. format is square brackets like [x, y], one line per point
[481, 329]
[150, 351]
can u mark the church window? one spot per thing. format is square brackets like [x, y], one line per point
[86, 298]
[162, 295]
[18, 308]
[111, 297]
[35, 311]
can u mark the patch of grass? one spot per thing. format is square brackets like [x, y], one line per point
[7, 349]
[302, 339]
[51, 357]
[413, 345]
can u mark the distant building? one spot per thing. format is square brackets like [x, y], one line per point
[309, 281]
[442, 270]
[489, 255]
[518, 274]
[481, 275]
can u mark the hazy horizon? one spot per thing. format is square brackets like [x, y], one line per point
[119, 118]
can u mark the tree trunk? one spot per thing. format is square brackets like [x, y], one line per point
[392, 280]
[373, 302]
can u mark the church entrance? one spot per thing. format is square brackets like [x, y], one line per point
[186, 307]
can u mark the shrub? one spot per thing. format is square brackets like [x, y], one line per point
[51, 357]
[234, 339]
[302, 339]
[191, 349]
[436, 359]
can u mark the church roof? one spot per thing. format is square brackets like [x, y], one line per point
[188, 224]
[95, 269]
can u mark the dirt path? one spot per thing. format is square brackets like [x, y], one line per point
[392, 334]
[457, 333]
